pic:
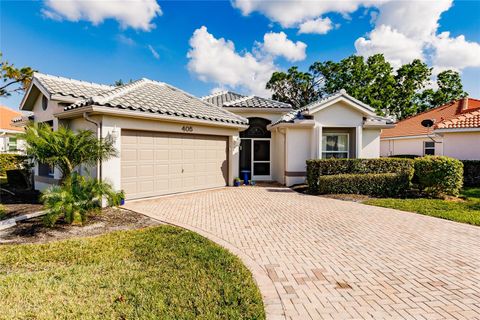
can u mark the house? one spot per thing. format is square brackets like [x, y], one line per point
[170, 141]
[9, 140]
[455, 132]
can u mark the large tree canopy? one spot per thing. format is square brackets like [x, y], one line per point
[399, 93]
[13, 79]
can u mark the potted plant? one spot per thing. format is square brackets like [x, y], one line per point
[237, 182]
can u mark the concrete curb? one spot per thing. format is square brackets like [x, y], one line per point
[274, 309]
[8, 223]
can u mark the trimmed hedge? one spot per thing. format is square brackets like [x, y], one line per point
[318, 168]
[11, 161]
[371, 184]
[439, 175]
[471, 173]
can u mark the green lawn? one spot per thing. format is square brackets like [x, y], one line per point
[155, 273]
[466, 211]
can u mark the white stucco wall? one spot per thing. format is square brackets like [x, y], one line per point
[298, 148]
[370, 143]
[462, 145]
[278, 156]
[339, 114]
[389, 147]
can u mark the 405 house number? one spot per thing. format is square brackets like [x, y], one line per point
[187, 129]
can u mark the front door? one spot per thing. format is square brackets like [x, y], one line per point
[255, 157]
[261, 159]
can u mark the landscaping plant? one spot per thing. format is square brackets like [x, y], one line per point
[76, 198]
[439, 175]
[65, 149]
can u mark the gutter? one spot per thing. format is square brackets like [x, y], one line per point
[98, 124]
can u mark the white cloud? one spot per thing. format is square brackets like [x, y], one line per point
[318, 26]
[277, 44]
[137, 14]
[154, 52]
[415, 19]
[289, 13]
[216, 60]
[397, 48]
[454, 53]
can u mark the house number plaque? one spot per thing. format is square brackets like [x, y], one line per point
[187, 129]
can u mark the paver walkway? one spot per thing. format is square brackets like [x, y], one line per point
[332, 259]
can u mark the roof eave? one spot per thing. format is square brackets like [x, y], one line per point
[73, 113]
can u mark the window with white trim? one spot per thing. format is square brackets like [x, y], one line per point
[428, 148]
[335, 145]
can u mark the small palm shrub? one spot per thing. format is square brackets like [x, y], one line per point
[77, 198]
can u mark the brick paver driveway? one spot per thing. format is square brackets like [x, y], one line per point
[327, 258]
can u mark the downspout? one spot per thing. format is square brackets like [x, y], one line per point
[98, 124]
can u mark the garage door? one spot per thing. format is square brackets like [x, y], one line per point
[156, 163]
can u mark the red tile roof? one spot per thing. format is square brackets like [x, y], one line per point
[458, 109]
[6, 117]
[467, 120]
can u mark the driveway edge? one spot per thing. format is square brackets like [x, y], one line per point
[271, 299]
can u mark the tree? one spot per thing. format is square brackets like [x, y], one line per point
[399, 93]
[66, 149]
[294, 87]
[13, 79]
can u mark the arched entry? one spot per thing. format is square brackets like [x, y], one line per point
[255, 149]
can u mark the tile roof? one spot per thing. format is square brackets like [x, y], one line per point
[234, 100]
[463, 121]
[157, 97]
[412, 126]
[70, 87]
[7, 115]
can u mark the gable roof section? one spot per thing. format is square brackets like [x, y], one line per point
[327, 101]
[442, 115]
[157, 97]
[230, 99]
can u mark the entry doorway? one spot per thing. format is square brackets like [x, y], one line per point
[255, 150]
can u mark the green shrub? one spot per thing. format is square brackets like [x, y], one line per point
[76, 198]
[324, 167]
[371, 184]
[11, 161]
[439, 175]
[3, 211]
[405, 156]
[471, 173]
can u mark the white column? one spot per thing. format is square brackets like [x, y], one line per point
[358, 147]
[319, 141]
[112, 168]
[234, 156]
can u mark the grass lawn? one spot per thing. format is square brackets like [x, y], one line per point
[154, 273]
[467, 211]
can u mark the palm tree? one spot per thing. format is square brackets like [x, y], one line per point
[66, 149]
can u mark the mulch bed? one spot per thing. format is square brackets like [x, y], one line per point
[21, 203]
[110, 219]
[303, 188]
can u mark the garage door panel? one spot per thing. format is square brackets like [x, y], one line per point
[155, 163]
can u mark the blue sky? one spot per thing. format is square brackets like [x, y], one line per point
[153, 39]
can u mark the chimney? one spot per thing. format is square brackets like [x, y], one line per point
[464, 104]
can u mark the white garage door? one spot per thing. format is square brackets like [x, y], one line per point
[155, 163]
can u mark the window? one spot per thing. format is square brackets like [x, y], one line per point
[44, 103]
[335, 145]
[428, 148]
[12, 144]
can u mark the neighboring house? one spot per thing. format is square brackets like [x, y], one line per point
[9, 140]
[170, 141]
[456, 132]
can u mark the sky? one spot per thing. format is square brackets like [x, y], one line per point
[207, 46]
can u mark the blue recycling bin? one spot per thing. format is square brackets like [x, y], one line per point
[245, 176]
